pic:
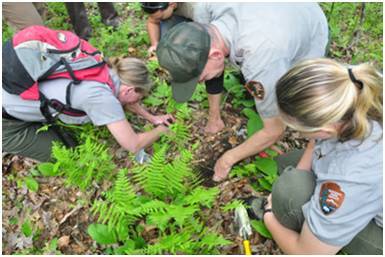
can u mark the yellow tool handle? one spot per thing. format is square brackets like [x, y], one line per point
[246, 246]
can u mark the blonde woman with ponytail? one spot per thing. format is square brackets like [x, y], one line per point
[102, 105]
[329, 196]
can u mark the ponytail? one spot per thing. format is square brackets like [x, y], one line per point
[368, 104]
[319, 92]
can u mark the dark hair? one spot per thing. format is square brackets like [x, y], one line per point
[151, 7]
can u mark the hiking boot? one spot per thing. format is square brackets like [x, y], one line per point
[255, 206]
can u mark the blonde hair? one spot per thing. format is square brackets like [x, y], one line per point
[319, 92]
[131, 71]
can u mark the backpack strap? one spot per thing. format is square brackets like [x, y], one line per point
[67, 140]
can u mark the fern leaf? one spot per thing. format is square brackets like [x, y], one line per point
[202, 196]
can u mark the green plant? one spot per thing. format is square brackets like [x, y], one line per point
[254, 121]
[260, 227]
[264, 170]
[82, 165]
[168, 198]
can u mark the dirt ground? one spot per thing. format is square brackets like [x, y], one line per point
[62, 212]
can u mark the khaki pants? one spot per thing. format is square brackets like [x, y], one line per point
[295, 187]
[21, 15]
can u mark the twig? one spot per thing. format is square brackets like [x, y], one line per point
[77, 208]
[357, 31]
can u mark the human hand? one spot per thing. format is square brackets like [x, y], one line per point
[269, 204]
[151, 50]
[213, 126]
[222, 167]
[166, 119]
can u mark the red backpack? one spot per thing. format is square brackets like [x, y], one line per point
[38, 53]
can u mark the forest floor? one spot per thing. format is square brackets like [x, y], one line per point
[59, 214]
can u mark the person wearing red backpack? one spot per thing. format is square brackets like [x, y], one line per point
[88, 97]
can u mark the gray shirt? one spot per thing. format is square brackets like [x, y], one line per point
[185, 9]
[266, 39]
[95, 98]
[348, 193]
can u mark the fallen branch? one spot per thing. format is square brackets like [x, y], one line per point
[77, 208]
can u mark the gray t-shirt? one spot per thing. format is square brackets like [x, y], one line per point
[348, 193]
[266, 39]
[95, 98]
[185, 9]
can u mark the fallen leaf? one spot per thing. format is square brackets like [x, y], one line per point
[63, 241]
[233, 140]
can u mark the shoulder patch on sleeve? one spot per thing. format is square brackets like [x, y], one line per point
[331, 197]
[256, 89]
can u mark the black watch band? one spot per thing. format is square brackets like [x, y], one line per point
[267, 210]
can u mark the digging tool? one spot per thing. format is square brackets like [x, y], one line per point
[243, 223]
[142, 157]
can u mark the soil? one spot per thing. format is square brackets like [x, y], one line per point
[62, 212]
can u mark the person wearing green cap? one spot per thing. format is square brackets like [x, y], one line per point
[262, 39]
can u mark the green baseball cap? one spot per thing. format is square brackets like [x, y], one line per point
[184, 51]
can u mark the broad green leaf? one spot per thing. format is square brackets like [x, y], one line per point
[26, 228]
[127, 248]
[230, 81]
[270, 152]
[265, 184]
[254, 122]
[249, 113]
[267, 166]
[31, 184]
[47, 169]
[247, 103]
[260, 227]
[53, 245]
[101, 234]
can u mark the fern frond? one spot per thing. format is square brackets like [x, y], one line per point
[123, 193]
[202, 196]
[86, 163]
[180, 213]
[152, 178]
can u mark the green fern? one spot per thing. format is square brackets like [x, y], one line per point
[168, 197]
[151, 178]
[202, 196]
[84, 164]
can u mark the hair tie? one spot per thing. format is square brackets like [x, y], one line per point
[356, 82]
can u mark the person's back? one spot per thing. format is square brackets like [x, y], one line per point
[88, 96]
[268, 31]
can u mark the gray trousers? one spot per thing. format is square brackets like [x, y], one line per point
[295, 187]
[21, 138]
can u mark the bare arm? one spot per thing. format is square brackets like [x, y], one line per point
[128, 139]
[273, 129]
[292, 242]
[306, 159]
[271, 132]
[153, 29]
